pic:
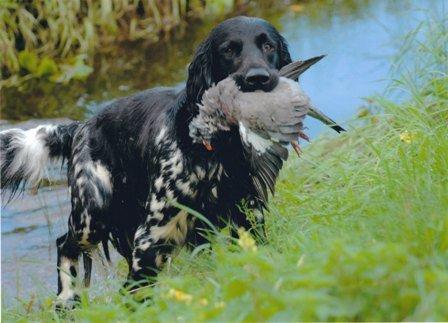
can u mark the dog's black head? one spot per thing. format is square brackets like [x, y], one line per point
[250, 49]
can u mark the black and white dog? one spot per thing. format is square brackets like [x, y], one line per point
[128, 164]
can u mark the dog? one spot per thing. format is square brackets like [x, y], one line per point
[131, 166]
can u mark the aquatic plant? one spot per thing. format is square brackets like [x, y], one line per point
[56, 39]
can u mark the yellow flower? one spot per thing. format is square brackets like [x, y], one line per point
[246, 242]
[407, 137]
[180, 296]
[220, 304]
[203, 301]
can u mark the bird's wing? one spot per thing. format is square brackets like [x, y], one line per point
[322, 117]
[294, 69]
[285, 122]
[265, 158]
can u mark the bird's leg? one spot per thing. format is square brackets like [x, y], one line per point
[304, 136]
[295, 145]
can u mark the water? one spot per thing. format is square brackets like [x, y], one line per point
[359, 38]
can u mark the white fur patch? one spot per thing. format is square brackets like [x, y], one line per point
[144, 246]
[200, 172]
[175, 230]
[185, 188]
[157, 215]
[140, 231]
[85, 229]
[135, 265]
[161, 135]
[176, 168]
[67, 291]
[103, 174]
[86, 172]
[215, 192]
[156, 205]
[158, 183]
[169, 195]
[31, 153]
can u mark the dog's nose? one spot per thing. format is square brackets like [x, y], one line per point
[257, 76]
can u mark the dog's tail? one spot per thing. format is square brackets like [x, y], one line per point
[24, 154]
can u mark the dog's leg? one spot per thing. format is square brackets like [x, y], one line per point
[67, 267]
[91, 193]
[154, 242]
[148, 259]
[87, 261]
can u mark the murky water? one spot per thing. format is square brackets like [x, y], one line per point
[359, 38]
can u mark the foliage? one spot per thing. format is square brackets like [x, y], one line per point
[37, 36]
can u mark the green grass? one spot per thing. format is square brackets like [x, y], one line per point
[358, 229]
[56, 40]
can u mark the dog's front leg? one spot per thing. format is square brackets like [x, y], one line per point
[154, 242]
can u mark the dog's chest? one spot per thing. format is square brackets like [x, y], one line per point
[179, 179]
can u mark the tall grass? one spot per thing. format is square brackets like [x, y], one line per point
[358, 229]
[34, 33]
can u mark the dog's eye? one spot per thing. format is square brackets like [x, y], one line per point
[267, 47]
[228, 50]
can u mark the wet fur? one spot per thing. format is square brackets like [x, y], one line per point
[127, 165]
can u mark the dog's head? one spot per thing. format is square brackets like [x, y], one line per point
[250, 49]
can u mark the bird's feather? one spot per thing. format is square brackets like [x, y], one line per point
[293, 71]
[265, 158]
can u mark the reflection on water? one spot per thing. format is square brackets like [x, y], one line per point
[359, 36]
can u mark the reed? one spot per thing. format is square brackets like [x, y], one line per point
[36, 37]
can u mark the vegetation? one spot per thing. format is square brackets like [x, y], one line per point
[358, 229]
[51, 83]
[57, 39]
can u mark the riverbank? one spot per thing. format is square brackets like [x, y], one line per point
[56, 41]
[357, 230]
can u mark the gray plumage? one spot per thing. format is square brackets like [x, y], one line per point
[266, 121]
[275, 115]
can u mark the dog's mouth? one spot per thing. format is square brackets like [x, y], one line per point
[245, 86]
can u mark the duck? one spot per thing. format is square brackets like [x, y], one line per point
[266, 121]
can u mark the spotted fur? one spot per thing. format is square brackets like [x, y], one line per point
[132, 163]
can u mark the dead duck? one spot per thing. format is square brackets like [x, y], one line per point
[266, 121]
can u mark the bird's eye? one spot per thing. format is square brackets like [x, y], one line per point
[267, 47]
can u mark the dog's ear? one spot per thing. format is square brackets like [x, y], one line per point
[200, 76]
[283, 52]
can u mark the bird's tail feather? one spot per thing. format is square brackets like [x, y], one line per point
[319, 115]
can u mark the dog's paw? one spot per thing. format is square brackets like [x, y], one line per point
[66, 302]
